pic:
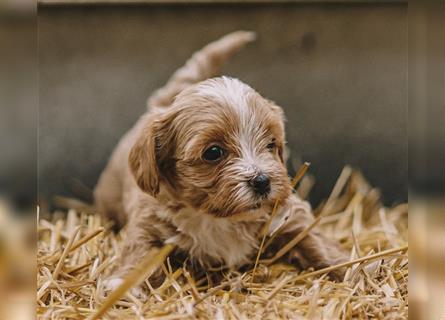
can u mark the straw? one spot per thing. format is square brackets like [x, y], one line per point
[346, 264]
[137, 276]
[76, 251]
[299, 175]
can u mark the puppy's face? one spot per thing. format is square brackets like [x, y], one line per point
[218, 148]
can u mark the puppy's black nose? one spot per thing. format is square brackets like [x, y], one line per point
[261, 184]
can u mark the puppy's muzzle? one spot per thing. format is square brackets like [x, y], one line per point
[261, 184]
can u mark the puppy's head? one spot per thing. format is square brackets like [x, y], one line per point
[218, 148]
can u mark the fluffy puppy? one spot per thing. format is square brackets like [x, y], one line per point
[203, 168]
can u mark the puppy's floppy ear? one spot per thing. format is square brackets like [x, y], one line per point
[143, 161]
[282, 154]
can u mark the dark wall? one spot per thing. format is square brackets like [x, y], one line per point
[18, 109]
[339, 71]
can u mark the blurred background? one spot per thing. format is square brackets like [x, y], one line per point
[427, 159]
[18, 158]
[338, 69]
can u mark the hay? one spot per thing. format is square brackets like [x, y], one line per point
[76, 252]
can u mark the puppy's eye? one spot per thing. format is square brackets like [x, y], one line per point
[212, 154]
[271, 146]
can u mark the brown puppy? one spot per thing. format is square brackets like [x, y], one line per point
[203, 168]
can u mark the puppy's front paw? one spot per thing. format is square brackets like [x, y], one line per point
[110, 285]
[337, 275]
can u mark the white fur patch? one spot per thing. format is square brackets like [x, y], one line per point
[235, 94]
[112, 284]
[222, 239]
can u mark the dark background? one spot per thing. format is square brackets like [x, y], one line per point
[338, 70]
[18, 109]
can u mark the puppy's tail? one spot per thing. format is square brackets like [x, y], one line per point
[204, 64]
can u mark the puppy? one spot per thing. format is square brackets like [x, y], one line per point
[203, 168]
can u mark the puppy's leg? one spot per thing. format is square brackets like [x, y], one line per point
[314, 250]
[138, 243]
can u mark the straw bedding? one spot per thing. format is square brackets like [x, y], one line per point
[75, 252]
